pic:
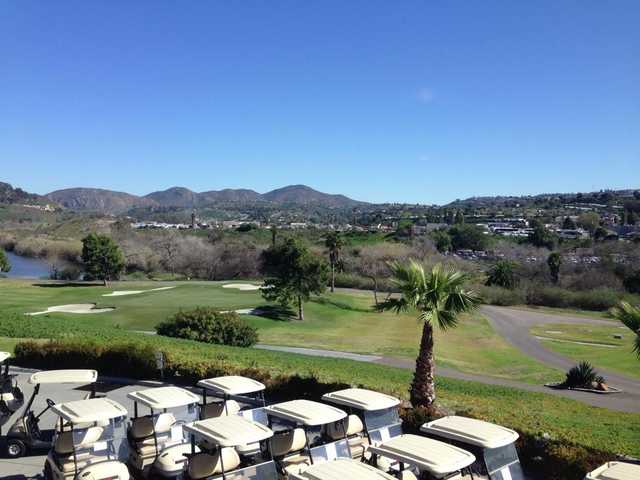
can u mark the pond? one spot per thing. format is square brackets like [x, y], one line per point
[26, 267]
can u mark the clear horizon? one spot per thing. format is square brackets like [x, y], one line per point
[381, 102]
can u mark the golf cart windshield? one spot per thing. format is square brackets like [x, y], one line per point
[501, 460]
[103, 441]
[383, 424]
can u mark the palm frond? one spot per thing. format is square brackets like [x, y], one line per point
[629, 315]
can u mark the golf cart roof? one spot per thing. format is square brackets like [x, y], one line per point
[164, 397]
[231, 385]
[471, 431]
[340, 469]
[229, 431]
[306, 412]
[438, 458]
[64, 376]
[362, 399]
[4, 356]
[615, 471]
[89, 411]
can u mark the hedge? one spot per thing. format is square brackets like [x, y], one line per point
[549, 458]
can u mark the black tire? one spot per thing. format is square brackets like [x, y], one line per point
[15, 448]
[48, 474]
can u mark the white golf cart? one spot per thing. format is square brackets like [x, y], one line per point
[373, 417]
[422, 457]
[157, 443]
[492, 445]
[305, 433]
[230, 448]
[93, 445]
[615, 471]
[341, 468]
[11, 397]
[235, 395]
[25, 433]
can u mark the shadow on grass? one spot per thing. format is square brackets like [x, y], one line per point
[68, 284]
[341, 305]
[276, 312]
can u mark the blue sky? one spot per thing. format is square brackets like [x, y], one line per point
[416, 101]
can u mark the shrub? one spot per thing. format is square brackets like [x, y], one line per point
[632, 282]
[598, 299]
[582, 375]
[501, 296]
[210, 326]
[503, 274]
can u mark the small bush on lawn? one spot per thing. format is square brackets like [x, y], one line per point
[210, 326]
[494, 295]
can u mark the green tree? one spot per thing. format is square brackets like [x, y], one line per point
[459, 218]
[442, 240]
[334, 245]
[568, 224]
[503, 274]
[590, 221]
[554, 261]
[439, 297]
[5, 265]
[469, 237]
[102, 257]
[542, 237]
[630, 318]
[293, 273]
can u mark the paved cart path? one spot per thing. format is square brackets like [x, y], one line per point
[514, 326]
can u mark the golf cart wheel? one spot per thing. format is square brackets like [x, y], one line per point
[15, 448]
[48, 474]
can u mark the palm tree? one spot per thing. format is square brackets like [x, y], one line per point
[334, 244]
[630, 317]
[439, 297]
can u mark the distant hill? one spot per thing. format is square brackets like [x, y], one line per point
[11, 195]
[107, 201]
[98, 200]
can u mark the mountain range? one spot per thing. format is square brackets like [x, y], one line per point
[109, 201]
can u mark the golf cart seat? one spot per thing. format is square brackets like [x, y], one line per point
[204, 465]
[217, 409]
[290, 441]
[64, 441]
[407, 475]
[63, 445]
[354, 428]
[141, 428]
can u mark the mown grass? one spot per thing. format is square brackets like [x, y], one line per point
[342, 321]
[528, 412]
[619, 358]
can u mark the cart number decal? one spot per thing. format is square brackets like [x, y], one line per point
[99, 446]
[176, 433]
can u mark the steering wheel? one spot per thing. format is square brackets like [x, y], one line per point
[50, 403]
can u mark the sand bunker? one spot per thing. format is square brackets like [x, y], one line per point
[74, 308]
[242, 286]
[122, 293]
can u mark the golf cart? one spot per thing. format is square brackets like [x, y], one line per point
[615, 471]
[11, 397]
[90, 443]
[157, 443]
[342, 468]
[492, 445]
[236, 395]
[25, 434]
[422, 457]
[230, 448]
[305, 433]
[373, 417]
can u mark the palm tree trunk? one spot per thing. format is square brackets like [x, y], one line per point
[423, 389]
[300, 309]
[333, 277]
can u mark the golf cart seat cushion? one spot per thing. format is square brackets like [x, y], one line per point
[289, 441]
[358, 445]
[164, 422]
[141, 428]
[64, 444]
[352, 425]
[296, 464]
[407, 475]
[88, 437]
[203, 465]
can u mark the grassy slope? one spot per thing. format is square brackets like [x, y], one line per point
[342, 321]
[620, 359]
